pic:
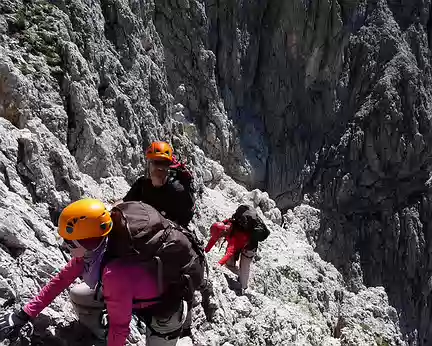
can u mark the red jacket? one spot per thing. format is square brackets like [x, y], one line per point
[236, 242]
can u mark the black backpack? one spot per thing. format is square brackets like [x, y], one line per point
[140, 233]
[247, 220]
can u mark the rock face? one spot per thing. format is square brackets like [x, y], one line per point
[325, 102]
[294, 298]
[341, 91]
[371, 179]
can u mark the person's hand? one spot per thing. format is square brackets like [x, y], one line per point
[11, 324]
[216, 266]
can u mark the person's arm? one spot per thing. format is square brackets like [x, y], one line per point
[230, 252]
[211, 243]
[185, 201]
[217, 230]
[185, 218]
[56, 286]
[118, 297]
[135, 192]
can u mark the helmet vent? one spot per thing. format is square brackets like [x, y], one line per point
[105, 226]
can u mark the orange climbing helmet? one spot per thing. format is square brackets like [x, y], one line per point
[83, 219]
[160, 151]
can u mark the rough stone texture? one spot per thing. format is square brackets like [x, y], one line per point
[325, 102]
[294, 298]
[275, 65]
[92, 73]
[341, 91]
[371, 182]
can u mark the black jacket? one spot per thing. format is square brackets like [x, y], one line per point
[171, 200]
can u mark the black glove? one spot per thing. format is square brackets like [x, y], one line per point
[11, 324]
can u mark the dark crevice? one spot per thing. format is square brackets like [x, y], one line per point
[102, 89]
[116, 33]
[12, 249]
[263, 27]
[429, 28]
[64, 83]
[340, 324]
[57, 170]
[6, 176]
[54, 215]
[23, 171]
[71, 131]
[18, 25]
[216, 50]
[109, 12]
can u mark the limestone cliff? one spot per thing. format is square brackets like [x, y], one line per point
[323, 102]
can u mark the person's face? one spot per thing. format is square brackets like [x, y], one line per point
[159, 172]
[78, 248]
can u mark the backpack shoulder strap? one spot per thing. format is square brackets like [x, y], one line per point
[195, 243]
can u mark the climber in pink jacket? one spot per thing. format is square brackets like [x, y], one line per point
[127, 286]
[121, 285]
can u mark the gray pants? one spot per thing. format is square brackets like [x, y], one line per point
[165, 326]
[246, 258]
[88, 310]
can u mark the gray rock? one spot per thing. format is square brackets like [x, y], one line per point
[328, 98]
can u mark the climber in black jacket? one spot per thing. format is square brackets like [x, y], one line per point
[172, 196]
[169, 190]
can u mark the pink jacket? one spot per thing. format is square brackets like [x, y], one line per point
[121, 284]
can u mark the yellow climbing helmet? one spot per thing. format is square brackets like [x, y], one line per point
[83, 219]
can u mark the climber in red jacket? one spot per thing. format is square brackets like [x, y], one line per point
[243, 231]
[237, 241]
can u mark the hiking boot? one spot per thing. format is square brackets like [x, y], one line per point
[240, 292]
